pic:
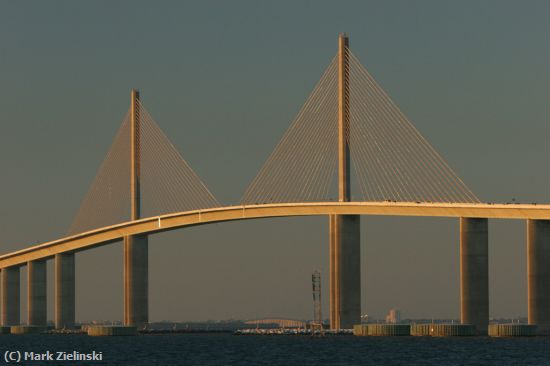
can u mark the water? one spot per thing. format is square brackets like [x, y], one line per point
[227, 349]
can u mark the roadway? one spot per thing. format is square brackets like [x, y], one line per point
[151, 225]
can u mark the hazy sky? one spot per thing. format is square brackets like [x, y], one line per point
[224, 80]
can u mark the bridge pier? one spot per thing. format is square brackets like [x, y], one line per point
[538, 275]
[10, 296]
[344, 230]
[36, 293]
[345, 271]
[136, 281]
[64, 290]
[474, 273]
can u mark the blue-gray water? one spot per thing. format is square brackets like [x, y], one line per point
[226, 349]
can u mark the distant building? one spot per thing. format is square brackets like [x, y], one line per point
[393, 317]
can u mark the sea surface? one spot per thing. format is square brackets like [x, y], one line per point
[228, 349]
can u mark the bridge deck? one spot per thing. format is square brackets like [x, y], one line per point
[173, 221]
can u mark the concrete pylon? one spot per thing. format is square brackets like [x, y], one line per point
[10, 296]
[344, 230]
[36, 293]
[64, 290]
[136, 248]
[345, 269]
[474, 273]
[136, 280]
[538, 275]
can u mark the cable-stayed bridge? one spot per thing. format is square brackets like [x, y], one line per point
[350, 151]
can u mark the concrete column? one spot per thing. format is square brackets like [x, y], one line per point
[136, 281]
[334, 282]
[345, 271]
[135, 156]
[10, 296]
[538, 274]
[344, 190]
[64, 290]
[36, 293]
[474, 273]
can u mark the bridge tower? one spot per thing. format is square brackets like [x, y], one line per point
[136, 251]
[344, 230]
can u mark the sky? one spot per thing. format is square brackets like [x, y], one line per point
[224, 81]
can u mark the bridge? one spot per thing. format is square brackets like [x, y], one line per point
[144, 186]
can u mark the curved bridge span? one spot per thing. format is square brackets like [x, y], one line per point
[151, 225]
[346, 114]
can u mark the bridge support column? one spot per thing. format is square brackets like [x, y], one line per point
[10, 296]
[36, 293]
[136, 281]
[538, 274]
[64, 290]
[345, 271]
[474, 273]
